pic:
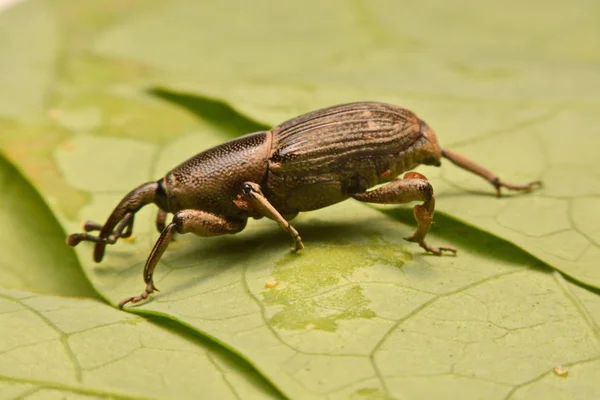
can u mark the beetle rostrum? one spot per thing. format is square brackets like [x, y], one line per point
[309, 162]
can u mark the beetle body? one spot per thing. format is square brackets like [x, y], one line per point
[309, 162]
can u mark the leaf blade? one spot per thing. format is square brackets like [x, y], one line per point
[112, 354]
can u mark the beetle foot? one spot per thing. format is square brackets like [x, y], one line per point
[438, 250]
[150, 288]
[435, 250]
[498, 184]
[298, 245]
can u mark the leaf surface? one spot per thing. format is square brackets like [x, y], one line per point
[359, 313]
[81, 348]
[34, 256]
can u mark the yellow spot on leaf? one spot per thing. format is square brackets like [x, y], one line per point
[561, 371]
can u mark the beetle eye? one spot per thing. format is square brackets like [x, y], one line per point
[246, 188]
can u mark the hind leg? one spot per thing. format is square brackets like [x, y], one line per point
[464, 163]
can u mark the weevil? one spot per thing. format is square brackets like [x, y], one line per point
[307, 163]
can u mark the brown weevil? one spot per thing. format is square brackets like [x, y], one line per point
[309, 162]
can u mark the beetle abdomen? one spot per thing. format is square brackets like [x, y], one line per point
[334, 135]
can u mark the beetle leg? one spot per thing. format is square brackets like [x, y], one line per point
[161, 220]
[413, 187]
[260, 204]
[198, 222]
[464, 163]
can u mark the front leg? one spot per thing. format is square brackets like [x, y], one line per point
[185, 221]
[414, 187]
[252, 199]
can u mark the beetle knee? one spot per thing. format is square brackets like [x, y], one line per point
[426, 190]
[422, 184]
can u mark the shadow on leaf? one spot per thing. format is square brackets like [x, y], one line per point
[213, 111]
[226, 355]
[469, 238]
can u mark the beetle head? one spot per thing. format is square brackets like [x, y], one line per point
[430, 148]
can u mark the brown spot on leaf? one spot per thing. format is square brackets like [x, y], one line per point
[271, 284]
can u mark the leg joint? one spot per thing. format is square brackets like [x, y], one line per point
[426, 190]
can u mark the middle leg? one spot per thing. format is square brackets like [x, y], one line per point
[252, 199]
[413, 187]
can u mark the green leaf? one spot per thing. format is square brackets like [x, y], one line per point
[25, 76]
[34, 256]
[518, 97]
[274, 61]
[79, 348]
[359, 313]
